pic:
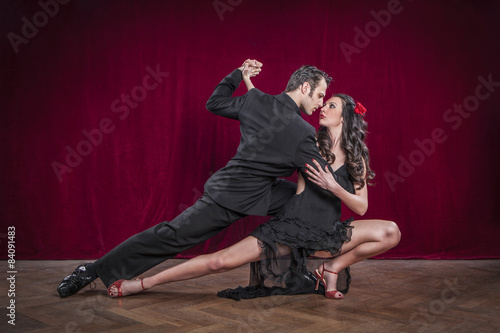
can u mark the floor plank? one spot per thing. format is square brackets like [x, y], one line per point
[385, 296]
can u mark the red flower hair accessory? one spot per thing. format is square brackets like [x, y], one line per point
[360, 109]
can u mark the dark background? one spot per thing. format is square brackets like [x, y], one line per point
[436, 168]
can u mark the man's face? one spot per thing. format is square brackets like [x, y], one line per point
[311, 103]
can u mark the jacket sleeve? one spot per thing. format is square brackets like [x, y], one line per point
[307, 151]
[221, 103]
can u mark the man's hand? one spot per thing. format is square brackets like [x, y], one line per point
[323, 179]
[251, 68]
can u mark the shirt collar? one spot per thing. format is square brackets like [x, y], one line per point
[288, 102]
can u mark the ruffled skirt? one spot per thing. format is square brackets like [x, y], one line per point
[283, 268]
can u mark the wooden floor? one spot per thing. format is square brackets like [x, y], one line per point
[385, 296]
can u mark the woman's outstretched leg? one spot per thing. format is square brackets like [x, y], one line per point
[369, 238]
[243, 252]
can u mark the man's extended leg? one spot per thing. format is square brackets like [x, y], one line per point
[151, 247]
[161, 242]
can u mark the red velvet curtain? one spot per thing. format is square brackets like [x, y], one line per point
[105, 131]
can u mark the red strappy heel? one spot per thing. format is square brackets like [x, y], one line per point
[118, 285]
[321, 277]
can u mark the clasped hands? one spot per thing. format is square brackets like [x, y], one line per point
[322, 178]
[251, 68]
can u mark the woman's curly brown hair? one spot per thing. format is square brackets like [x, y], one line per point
[352, 142]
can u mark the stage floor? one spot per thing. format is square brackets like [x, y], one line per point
[385, 296]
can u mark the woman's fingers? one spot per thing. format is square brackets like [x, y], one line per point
[310, 170]
[318, 166]
[255, 71]
[255, 63]
[246, 69]
[318, 170]
[314, 175]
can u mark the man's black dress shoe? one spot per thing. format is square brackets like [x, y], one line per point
[76, 281]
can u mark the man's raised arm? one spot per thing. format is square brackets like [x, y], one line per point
[221, 103]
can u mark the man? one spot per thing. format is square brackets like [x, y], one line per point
[275, 141]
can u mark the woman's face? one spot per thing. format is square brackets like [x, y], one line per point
[331, 113]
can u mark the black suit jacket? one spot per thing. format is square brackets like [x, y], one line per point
[275, 141]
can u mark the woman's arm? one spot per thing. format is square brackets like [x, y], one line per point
[301, 184]
[357, 202]
[249, 71]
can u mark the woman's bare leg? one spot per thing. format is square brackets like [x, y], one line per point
[243, 252]
[369, 238]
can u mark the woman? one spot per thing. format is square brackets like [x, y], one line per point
[309, 222]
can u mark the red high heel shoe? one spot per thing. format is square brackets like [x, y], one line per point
[118, 285]
[321, 277]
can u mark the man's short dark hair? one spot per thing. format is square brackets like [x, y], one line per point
[307, 73]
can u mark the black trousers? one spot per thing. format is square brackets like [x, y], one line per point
[163, 241]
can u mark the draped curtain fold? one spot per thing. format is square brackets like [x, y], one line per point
[105, 130]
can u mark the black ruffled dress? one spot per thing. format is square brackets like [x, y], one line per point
[309, 222]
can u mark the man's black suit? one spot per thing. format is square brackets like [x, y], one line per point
[275, 141]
